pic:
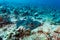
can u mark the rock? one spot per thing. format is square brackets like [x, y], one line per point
[1, 19]
[27, 32]
[1, 38]
[3, 10]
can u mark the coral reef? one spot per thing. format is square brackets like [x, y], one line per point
[29, 23]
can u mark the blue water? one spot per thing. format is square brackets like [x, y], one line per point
[46, 3]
